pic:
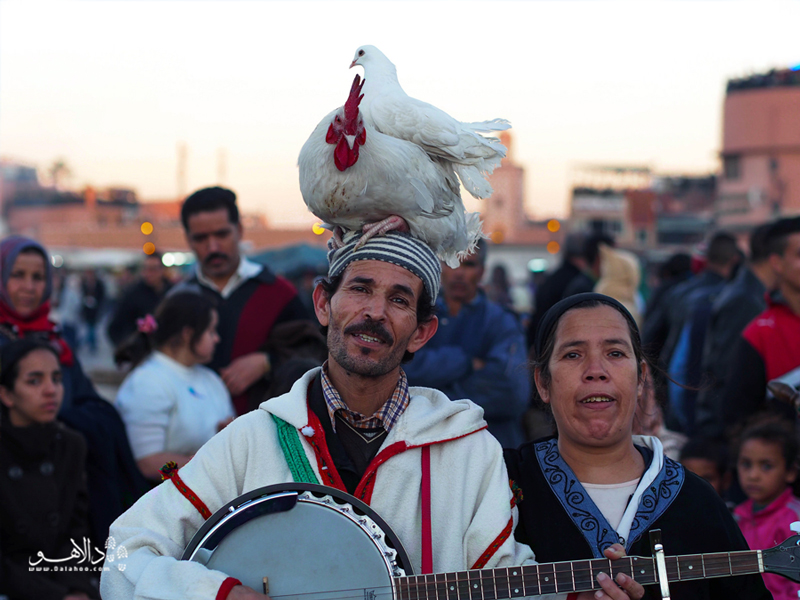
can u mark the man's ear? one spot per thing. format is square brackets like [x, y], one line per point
[776, 263]
[422, 334]
[544, 392]
[322, 305]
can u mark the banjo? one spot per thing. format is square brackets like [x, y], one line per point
[259, 538]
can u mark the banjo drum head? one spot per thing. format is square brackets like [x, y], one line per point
[312, 543]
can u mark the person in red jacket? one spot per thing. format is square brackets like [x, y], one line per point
[769, 347]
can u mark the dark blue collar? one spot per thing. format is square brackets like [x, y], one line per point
[583, 512]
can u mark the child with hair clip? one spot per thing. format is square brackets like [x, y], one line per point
[171, 403]
[767, 468]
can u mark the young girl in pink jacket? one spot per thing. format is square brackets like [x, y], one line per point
[767, 466]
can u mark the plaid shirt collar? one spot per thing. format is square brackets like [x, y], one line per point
[385, 417]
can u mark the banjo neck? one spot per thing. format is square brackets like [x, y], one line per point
[570, 576]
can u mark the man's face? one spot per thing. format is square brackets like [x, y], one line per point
[461, 284]
[787, 266]
[152, 271]
[215, 242]
[372, 318]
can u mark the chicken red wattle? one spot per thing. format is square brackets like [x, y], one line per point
[348, 134]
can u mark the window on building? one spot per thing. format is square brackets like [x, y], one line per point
[732, 166]
[641, 236]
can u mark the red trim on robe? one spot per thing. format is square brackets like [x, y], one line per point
[367, 485]
[172, 474]
[498, 541]
[327, 470]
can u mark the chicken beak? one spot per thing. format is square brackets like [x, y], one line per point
[351, 139]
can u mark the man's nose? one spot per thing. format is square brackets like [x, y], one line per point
[375, 308]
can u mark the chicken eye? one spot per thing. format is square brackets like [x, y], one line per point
[361, 53]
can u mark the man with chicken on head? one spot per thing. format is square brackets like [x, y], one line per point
[355, 425]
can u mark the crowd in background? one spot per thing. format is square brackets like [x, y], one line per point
[200, 347]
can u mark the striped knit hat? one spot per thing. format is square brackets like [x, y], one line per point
[394, 247]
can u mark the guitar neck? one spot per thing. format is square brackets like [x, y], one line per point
[570, 576]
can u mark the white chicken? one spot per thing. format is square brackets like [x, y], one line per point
[391, 111]
[355, 178]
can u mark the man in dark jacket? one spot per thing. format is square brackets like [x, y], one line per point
[577, 274]
[738, 303]
[769, 347]
[250, 299]
[139, 299]
[690, 312]
[675, 271]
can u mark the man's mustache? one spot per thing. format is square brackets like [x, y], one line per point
[215, 255]
[371, 328]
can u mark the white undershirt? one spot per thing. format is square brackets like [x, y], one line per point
[247, 269]
[611, 499]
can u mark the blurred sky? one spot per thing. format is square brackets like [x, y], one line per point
[113, 86]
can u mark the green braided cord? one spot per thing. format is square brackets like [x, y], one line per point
[294, 453]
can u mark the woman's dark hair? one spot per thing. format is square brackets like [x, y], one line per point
[425, 306]
[542, 361]
[774, 430]
[175, 313]
[12, 353]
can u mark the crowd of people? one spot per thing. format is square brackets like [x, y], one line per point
[406, 375]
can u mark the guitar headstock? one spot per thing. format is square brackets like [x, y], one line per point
[784, 559]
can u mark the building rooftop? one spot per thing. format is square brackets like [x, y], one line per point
[773, 78]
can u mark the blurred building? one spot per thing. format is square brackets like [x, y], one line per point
[519, 243]
[639, 209]
[760, 153]
[112, 217]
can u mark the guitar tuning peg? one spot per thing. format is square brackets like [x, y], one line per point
[795, 527]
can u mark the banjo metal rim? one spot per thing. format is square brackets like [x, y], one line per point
[316, 494]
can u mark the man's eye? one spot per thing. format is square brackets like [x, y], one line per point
[400, 300]
[571, 355]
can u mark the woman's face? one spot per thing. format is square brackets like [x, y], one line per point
[27, 282]
[594, 384]
[204, 348]
[37, 392]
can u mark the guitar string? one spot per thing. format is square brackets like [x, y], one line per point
[415, 587]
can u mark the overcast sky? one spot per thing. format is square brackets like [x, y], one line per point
[114, 86]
